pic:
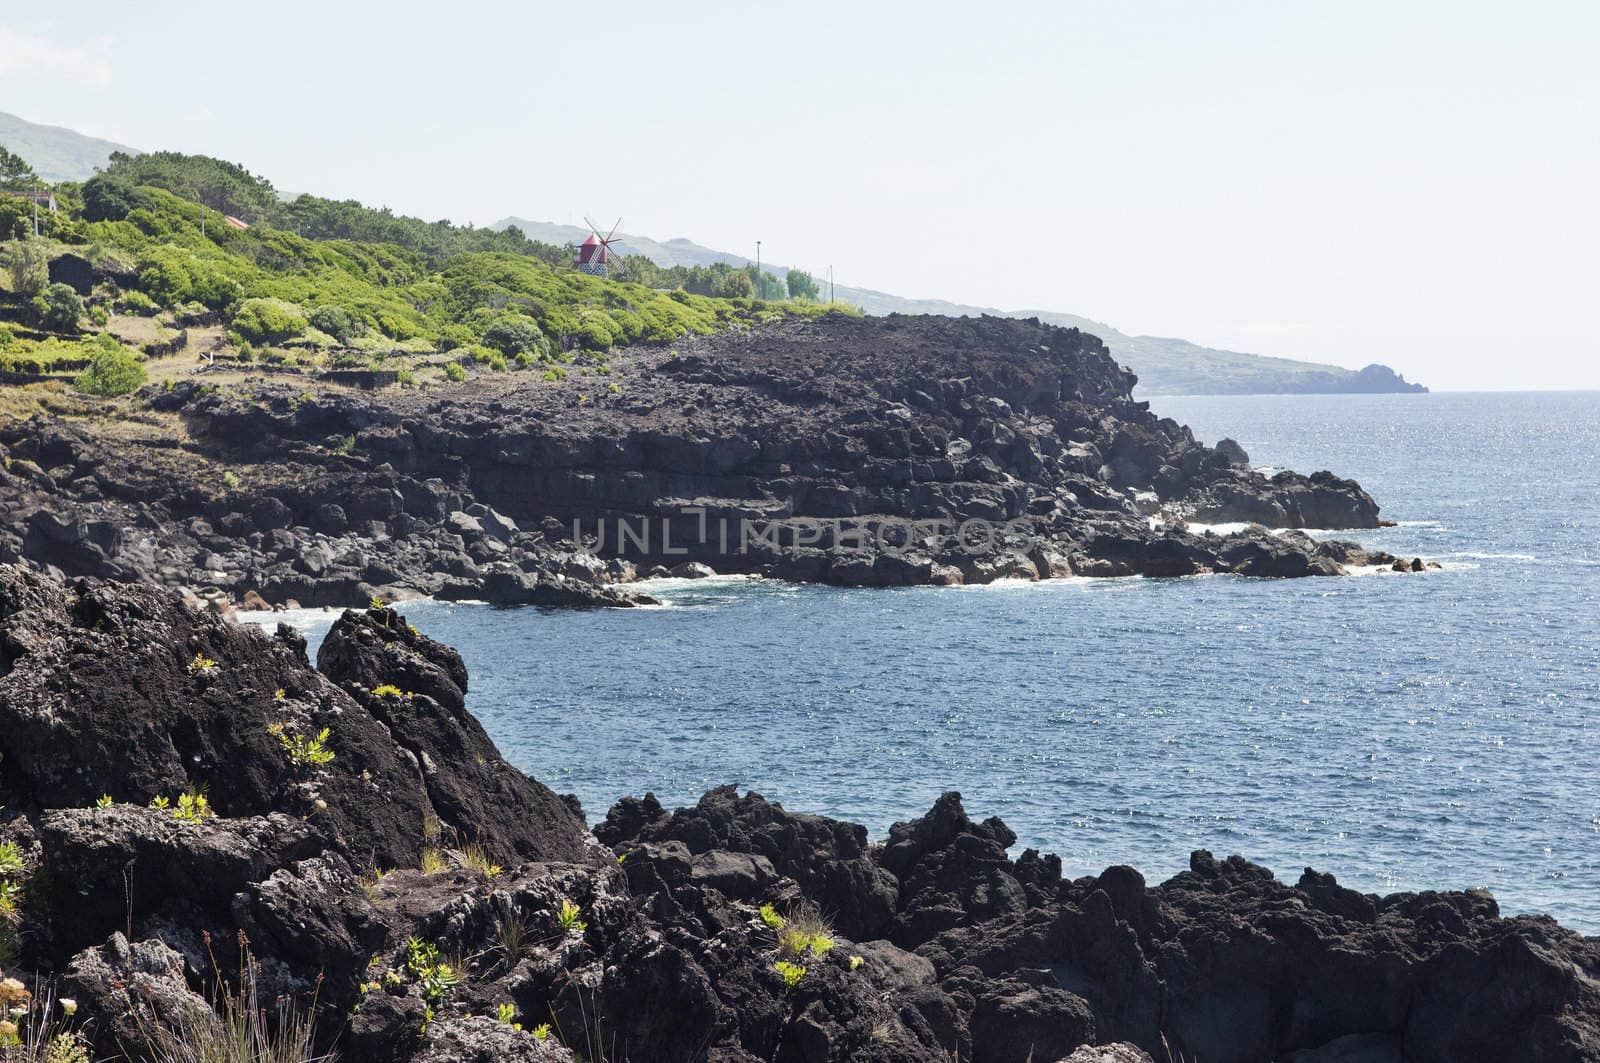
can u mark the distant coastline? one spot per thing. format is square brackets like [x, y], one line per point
[1164, 365]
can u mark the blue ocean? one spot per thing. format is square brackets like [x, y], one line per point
[1402, 732]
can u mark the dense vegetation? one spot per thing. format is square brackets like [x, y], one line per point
[338, 283]
[722, 280]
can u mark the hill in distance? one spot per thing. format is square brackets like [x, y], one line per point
[1165, 366]
[56, 154]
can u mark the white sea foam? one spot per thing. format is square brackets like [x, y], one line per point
[678, 583]
[295, 618]
[1014, 583]
[1225, 528]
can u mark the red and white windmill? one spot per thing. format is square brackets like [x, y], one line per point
[594, 254]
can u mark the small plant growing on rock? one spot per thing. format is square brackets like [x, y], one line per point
[200, 663]
[433, 861]
[103, 801]
[303, 752]
[803, 930]
[510, 931]
[454, 371]
[475, 856]
[567, 917]
[279, 694]
[507, 1015]
[237, 1028]
[791, 972]
[387, 690]
[161, 803]
[193, 806]
[770, 916]
[11, 867]
[230, 480]
[541, 1031]
[856, 962]
[436, 978]
[376, 602]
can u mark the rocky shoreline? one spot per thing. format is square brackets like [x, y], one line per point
[880, 451]
[426, 901]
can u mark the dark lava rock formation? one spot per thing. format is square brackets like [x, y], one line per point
[651, 938]
[850, 451]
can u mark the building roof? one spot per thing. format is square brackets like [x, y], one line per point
[591, 250]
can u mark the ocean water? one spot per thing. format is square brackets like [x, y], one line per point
[1401, 732]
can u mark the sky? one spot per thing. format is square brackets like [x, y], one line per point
[1411, 183]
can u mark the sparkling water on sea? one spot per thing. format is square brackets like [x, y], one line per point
[1402, 732]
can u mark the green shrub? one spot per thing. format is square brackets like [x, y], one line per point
[98, 316]
[107, 198]
[269, 320]
[28, 264]
[165, 281]
[59, 308]
[137, 302]
[113, 371]
[455, 372]
[513, 334]
[337, 322]
[596, 331]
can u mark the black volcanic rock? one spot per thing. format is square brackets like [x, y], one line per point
[942, 946]
[474, 793]
[127, 691]
[873, 452]
[827, 859]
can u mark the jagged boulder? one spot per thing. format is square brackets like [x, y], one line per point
[123, 690]
[130, 989]
[951, 871]
[476, 795]
[827, 859]
[126, 865]
[483, 1040]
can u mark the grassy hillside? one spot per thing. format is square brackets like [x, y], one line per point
[1165, 366]
[56, 154]
[306, 286]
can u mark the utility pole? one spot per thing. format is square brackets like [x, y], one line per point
[36, 217]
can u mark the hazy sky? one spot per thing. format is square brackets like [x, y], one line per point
[1414, 183]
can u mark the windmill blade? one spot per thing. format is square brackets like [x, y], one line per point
[614, 229]
[592, 227]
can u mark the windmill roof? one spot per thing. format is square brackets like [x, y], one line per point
[591, 241]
